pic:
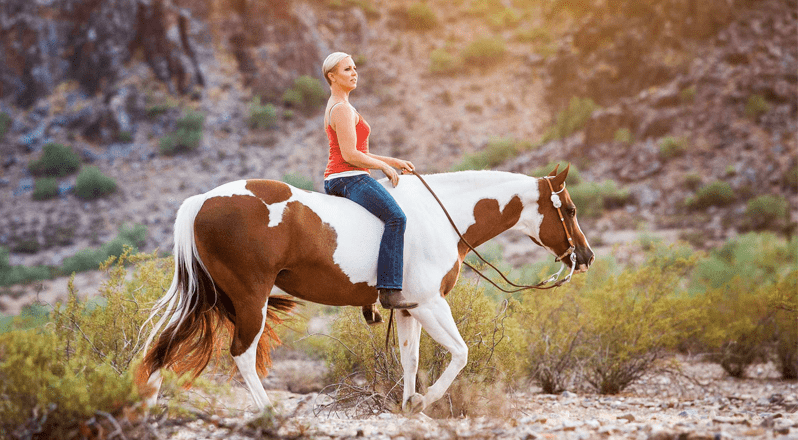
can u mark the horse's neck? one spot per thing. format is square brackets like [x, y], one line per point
[461, 192]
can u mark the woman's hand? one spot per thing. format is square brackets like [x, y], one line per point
[392, 175]
[405, 166]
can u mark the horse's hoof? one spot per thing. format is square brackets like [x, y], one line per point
[372, 315]
[414, 405]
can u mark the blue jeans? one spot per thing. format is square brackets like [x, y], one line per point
[366, 192]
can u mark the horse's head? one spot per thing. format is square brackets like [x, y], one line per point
[559, 230]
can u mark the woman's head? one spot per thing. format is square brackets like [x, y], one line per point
[331, 62]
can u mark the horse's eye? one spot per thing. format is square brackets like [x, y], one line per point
[572, 212]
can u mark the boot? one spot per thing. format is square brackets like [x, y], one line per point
[372, 315]
[393, 299]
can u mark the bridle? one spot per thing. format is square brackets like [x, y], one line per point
[555, 198]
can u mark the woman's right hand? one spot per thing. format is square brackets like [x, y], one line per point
[391, 173]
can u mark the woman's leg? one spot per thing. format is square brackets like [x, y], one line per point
[369, 194]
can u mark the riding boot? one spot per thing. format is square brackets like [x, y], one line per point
[372, 315]
[393, 299]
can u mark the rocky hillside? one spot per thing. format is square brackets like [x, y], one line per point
[677, 95]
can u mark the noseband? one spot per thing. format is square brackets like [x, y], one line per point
[555, 198]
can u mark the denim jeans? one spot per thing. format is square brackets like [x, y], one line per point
[366, 192]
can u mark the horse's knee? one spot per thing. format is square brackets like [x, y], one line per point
[460, 356]
[245, 335]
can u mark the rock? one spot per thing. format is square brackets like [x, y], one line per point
[627, 417]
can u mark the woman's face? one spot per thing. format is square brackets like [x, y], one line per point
[345, 74]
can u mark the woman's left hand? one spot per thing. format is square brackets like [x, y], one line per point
[405, 166]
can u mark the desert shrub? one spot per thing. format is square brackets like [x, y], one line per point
[790, 178]
[577, 336]
[92, 184]
[493, 340]
[125, 137]
[592, 198]
[496, 152]
[298, 181]
[10, 275]
[623, 135]
[534, 35]
[717, 193]
[687, 95]
[484, 51]
[756, 106]
[5, 124]
[784, 305]
[671, 147]
[91, 259]
[692, 181]
[768, 211]
[442, 62]
[262, 116]
[187, 134]
[307, 93]
[57, 377]
[571, 119]
[57, 160]
[736, 283]
[45, 188]
[421, 17]
[504, 18]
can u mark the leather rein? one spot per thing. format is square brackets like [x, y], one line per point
[555, 198]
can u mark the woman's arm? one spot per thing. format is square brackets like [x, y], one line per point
[343, 121]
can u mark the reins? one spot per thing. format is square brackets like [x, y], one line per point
[518, 287]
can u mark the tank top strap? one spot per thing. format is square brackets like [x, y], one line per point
[329, 114]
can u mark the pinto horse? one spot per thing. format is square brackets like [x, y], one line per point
[237, 241]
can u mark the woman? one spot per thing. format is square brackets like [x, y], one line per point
[347, 175]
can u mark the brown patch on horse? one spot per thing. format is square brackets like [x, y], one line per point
[269, 191]
[490, 221]
[322, 281]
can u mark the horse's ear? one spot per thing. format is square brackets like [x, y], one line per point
[559, 179]
[554, 173]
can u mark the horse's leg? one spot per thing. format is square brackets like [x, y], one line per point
[249, 326]
[409, 332]
[436, 318]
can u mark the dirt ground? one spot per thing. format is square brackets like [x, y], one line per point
[699, 403]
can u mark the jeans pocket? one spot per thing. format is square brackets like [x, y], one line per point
[336, 187]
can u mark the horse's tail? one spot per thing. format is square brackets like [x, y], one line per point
[202, 311]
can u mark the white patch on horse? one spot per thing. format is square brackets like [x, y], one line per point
[237, 188]
[276, 212]
[358, 234]
[247, 365]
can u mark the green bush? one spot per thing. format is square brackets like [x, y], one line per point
[504, 18]
[10, 275]
[91, 259]
[421, 17]
[623, 135]
[5, 124]
[790, 178]
[671, 147]
[494, 341]
[187, 135]
[717, 193]
[498, 151]
[92, 184]
[45, 188]
[784, 304]
[534, 35]
[262, 116]
[57, 377]
[740, 286]
[571, 119]
[307, 93]
[298, 181]
[57, 161]
[576, 337]
[592, 198]
[687, 95]
[768, 211]
[442, 62]
[692, 181]
[484, 51]
[756, 106]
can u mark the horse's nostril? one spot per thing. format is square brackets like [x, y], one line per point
[592, 259]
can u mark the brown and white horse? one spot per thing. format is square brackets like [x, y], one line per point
[237, 241]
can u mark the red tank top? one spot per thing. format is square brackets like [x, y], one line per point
[336, 162]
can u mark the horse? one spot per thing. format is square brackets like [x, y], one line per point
[235, 242]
